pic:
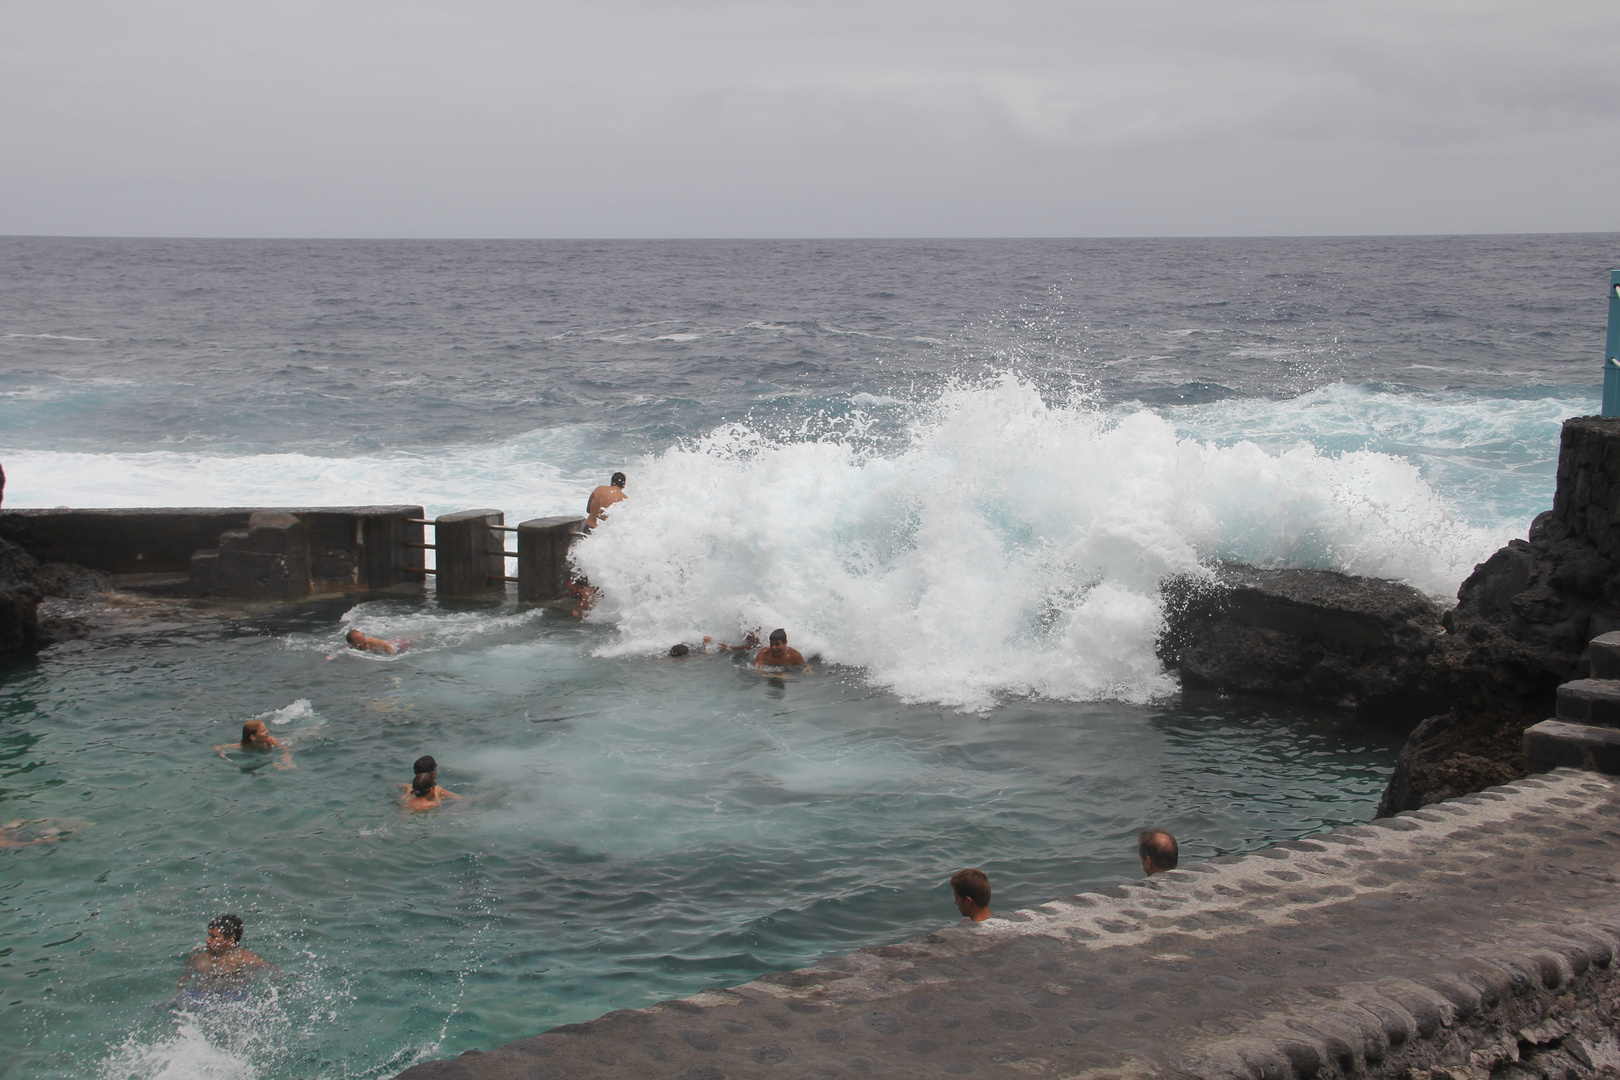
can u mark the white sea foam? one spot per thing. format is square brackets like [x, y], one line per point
[184, 1053]
[298, 710]
[1003, 544]
[1014, 547]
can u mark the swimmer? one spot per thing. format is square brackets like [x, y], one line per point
[222, 961]
[425, 793]
[584, 597]
[20, 834]
[255, 736]
[971, 889]
[360, 642]
[777, 654]
[426, 764]
[712, 646]
[602, 498]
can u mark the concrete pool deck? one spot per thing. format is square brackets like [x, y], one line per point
[1474, 935]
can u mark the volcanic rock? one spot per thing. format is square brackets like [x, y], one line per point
[1314, 635]
[19, 600]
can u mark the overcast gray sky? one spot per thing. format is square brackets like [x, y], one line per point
[613, 118]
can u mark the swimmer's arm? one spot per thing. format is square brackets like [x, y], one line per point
[224, 746]
[443, 794]
[286, 761]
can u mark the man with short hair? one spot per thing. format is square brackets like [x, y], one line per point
[602, 498]
[972, 889]
[222, 962]
[777, 654]
[1158, 851]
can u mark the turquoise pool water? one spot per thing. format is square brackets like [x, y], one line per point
[630, 829]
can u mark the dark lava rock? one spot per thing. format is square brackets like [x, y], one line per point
[1312, 634]
[19, 600]
[71, 582]
[1520, 628]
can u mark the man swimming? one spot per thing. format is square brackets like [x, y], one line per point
[777, 654]
[425, 793]
[602, 498]
[222, 962]
[358, 640]
[255, 736]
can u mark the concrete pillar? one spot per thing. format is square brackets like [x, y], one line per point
[543, 545]
[382, 559]
[470, 559]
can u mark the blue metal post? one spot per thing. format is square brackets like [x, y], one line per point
[1611, 352]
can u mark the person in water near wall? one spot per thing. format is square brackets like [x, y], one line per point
[602, 498]
[750, 641]
[425, 793]
[256, 736]
[360, 642]
[222, 962]
[972, 892]
[777, 654]
[1158, 851]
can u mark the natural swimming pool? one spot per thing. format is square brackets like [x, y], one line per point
[631, 829]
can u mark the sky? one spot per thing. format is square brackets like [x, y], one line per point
[892, 118]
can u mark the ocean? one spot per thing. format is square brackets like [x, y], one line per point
[955, 471]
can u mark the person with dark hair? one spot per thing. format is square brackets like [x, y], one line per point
[425, 763]
[777, 654]
[972, 889]
[256, 736]
[222, 962]
[425, 793]
[602, 498]
[680, 651]
[1158, 851]
[357, 640]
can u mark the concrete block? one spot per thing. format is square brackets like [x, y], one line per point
[268, 560]
[1590, 701]
[1605, 656]
[543, 545]
[470, 560]
[1554, 743]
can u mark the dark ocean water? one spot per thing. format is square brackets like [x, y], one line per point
[956, 470]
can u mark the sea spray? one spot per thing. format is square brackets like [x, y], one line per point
[1012, 546]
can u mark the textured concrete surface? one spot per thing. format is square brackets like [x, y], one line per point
[1473, 938]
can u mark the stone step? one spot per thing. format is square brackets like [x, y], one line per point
[1554, 743]
[1590, 701]
[1606, 656]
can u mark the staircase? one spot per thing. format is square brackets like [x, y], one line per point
[1585, 733]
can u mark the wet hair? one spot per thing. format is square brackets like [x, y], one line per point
[680, 650]
[231, 924]
[425, 763]
[1158, 848]
[778, 635]
[973, 885]
[249, 727]
[422, 785]
[618, 479]
[352, 634]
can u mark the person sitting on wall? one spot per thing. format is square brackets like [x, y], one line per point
[360, 642]
[602, 498]
[1158, 851]
[425, 793]
[222, 962]
[777, 654]
[256, 736]
[972, 889]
